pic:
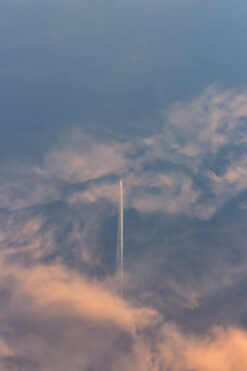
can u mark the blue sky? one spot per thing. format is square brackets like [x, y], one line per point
[155, 92]
[108, 64]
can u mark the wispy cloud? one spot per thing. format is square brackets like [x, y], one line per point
[161, 172]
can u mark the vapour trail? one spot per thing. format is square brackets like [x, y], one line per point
[120, 244]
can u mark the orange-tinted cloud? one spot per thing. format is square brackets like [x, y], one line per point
[56, 319]
[222, 349]
[50, 286]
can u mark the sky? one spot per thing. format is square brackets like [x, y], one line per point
[154, 92]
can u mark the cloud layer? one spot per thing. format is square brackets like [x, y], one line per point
[53, 319]
[59, 304]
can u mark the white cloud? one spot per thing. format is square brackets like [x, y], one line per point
[207, 123]
[159, 171]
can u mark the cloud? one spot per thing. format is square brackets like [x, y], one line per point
[84, 158]
[177, 170]
[53, 319]
[59, 307]
[172, 194]
[56, 319]
[233, 181]
[207, 123]
[191, 167]
[54, 285]
[220, 350]
[161, 171]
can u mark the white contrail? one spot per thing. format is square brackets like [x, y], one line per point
[120, 245]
